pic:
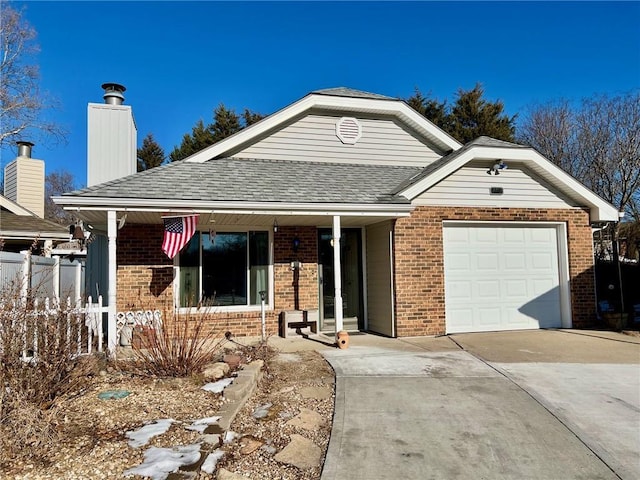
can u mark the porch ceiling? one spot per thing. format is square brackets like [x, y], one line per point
[98, 219]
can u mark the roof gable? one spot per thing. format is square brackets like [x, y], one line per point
[338, 102]
[489, 151]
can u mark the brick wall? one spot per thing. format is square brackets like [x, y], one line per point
[296, 290]
[419, 263]
[145, 273]
[145, 278]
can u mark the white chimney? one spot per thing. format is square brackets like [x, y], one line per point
[24, 180]
[112, 137]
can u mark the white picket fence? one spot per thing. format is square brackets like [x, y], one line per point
[75, 328]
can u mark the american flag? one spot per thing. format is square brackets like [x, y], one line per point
[177, 233]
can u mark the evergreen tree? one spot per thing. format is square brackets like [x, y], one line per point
[150, 155]
[200, 137]
[470, 117]
[249, 117]
[225, 123]
[430, 108]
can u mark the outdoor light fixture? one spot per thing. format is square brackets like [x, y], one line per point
[296, 244]
[495, 169]
[275, 225]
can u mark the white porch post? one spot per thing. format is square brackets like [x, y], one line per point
[337, 276]
[112, 233]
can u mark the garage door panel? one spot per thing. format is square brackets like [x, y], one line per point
[514, 261]
[459, 262]
[513, 236]
[487, 263]
[461, 290]
[543, 261]
[485, 236]
[486, 291]
[501, 277]
[517, 289]
[488, 317]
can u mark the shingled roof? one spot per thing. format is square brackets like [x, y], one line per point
[27, 226]
[255, 180]
[351, 92]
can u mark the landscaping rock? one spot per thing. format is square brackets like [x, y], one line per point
[318, 393]
[227, 475]
[301, 453]
[307, 419]
[249, 445]
[215, 371]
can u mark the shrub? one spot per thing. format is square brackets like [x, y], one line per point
[39, 364]
[179, 346]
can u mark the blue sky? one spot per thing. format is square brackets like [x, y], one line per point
[179, 60]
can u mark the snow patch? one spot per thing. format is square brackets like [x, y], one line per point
[201, 425]
[210, 463]
[141, 437]
[229, 436]
[219, 386]
[160, 462]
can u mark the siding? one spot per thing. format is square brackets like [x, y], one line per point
[379, 276]
[470, 185]
[313, 138]
[111, 143]
[24, 184]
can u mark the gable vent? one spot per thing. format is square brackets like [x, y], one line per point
[348, 130]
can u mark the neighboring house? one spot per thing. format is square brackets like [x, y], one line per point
[434, 237]
[21, 229]
[22, 223]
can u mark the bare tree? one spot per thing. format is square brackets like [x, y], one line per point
[598, 142]
[57, 183]
[22, 104]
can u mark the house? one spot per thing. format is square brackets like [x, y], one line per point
[22, 222]
[354, 205]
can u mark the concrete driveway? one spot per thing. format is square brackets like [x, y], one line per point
[496, 406]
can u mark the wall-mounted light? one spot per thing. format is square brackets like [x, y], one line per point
[296, 244]
[275, 225]
[495, 169]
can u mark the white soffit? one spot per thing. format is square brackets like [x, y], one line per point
[395, 108]
[601, 210]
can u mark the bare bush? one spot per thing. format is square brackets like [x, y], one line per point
[39, 365]
[180, 346]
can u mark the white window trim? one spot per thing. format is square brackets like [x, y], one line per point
[269, 303]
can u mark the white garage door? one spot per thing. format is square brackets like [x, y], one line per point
[501, 278]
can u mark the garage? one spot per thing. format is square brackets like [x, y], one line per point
[503, 276]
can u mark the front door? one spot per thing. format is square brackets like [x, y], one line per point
[351, 269]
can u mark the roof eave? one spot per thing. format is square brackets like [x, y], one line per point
[270, 208]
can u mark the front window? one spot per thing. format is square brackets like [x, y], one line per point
[224, 269]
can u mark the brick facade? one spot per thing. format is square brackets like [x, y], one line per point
[145, 274]
[145, 278]
[419, 262]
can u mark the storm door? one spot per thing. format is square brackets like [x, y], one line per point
[351, 266]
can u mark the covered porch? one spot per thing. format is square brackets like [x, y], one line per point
[336, 263]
